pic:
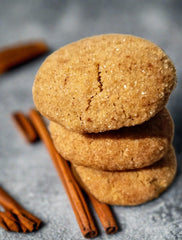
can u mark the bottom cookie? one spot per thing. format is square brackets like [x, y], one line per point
[128, 187]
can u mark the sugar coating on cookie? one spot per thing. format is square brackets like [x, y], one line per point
[128, 187]
[104, 82]
[126, 148]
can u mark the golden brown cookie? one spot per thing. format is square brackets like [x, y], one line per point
[104, 82]
[126, 148]
[128, 187]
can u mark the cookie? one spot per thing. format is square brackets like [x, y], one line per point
[126, 148]
[128, 187]
[104, 83]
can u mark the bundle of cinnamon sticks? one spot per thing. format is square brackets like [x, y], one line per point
[15, 217]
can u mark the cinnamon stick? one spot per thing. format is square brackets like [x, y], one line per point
[15, 215]
[19, 53]
[74, 192]
[105, 215]
[25, 127]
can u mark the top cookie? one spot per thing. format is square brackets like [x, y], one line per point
[104, 82]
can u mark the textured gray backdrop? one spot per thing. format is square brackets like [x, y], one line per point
[26, 171]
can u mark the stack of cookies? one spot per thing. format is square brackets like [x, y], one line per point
[105, 97]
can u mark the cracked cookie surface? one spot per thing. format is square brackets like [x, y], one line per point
[126, 148]
[104, 83]
[128, 187]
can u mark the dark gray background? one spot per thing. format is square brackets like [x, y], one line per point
[26, 171]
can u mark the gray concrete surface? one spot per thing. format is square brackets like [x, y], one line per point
[26, 171]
